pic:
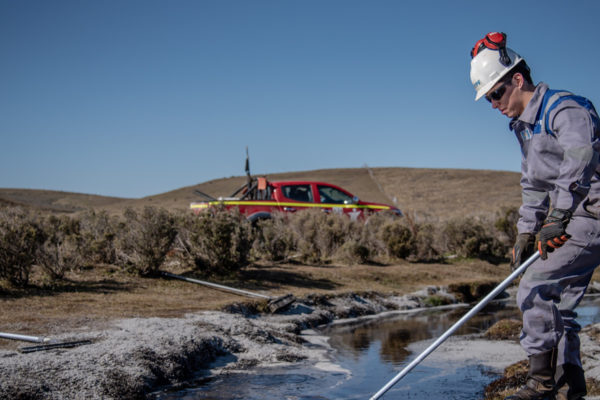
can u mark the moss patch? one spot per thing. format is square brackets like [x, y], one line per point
[505, 329]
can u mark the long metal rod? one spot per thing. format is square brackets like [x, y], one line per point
[50, 346]
[492, 295]
[215, 285]
[24, 338]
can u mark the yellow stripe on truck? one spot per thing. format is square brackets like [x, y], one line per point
[284, 204]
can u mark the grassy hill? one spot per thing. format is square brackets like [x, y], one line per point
[425, 193]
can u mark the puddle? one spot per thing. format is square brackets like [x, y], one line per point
[367, 355]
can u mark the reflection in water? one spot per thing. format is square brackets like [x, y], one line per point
[373, 352]
[394, 334]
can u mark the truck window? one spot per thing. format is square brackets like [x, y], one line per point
[298, 192]
[333, 195]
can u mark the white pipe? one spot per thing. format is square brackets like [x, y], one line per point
[499, 289]
[25, 338]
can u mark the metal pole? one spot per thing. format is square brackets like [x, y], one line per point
[457, 325]
[215, 285]
[25, 338]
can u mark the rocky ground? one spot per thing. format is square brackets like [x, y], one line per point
[133, 357]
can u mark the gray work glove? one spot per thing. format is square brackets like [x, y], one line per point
[553, 233]
[523, 249]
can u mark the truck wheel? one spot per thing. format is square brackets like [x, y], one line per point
[254, 218]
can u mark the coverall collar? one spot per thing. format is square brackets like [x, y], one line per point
[530, 112]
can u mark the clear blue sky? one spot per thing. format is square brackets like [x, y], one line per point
[131, 98]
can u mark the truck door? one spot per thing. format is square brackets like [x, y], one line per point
[339, 201]
[295, 196]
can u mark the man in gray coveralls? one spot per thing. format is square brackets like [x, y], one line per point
[559, 135]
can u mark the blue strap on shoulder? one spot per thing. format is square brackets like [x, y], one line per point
[553, 98]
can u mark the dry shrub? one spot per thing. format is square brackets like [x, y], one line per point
[146, 239]
[354, 251]
[320, 238]
[424, 249]
[319, 235]
[98, 233]
[222, 241]
[219, 241]
[274, 240]
[61, 250]
[20, 240]
[398, 239]
[315, 237]
[403, 238]
[469, 238]
[361, 244]
[371, 235]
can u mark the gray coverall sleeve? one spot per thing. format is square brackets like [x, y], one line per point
[574, 129]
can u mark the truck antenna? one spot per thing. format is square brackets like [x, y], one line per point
[247, 168]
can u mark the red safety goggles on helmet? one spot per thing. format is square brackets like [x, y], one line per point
[493, 41]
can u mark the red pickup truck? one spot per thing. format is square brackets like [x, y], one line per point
[260, 198]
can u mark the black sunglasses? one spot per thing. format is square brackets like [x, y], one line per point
[496, 94]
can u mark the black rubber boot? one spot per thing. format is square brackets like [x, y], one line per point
[540, 378]
[570, 382]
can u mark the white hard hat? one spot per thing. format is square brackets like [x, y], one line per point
[487, 69]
